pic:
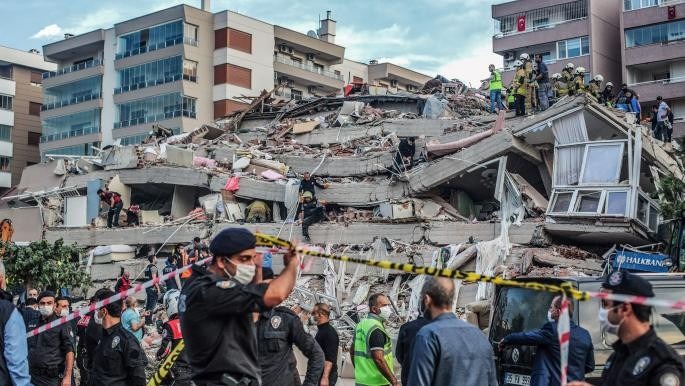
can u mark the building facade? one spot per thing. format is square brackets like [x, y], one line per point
[185, 66]
[653, 54]
[583, 32]
[20, 105]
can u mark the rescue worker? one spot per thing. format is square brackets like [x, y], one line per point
[371, 350]
[542, 80]
[556, 85]
[257, 211]
[184, 260]
[607, 95]
[310, 213]
[170, 265]
[495, 89]
[307, 184]
[216, 307]
[113, 200]
[578, 85]
[595, 86]
[88, 333]
[51, 353]
[118, 359]
[404, 156]
[622, 101]
[277, 330]
[521, 88]
[640, 357]
[152, 293]
[180, 373]
[531, 85]
[511, 98]
[567, 73]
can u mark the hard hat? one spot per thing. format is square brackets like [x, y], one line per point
[556, 75]
[524, 56]
[580, 70]
[518, 63]
[599, 78]
[610, 84]
[307, 194]
[569, 66]
[171, 302]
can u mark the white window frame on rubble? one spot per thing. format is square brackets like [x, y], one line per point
[587, 145]
[605, 193]
[653, 210]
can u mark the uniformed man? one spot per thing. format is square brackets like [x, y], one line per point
[607, 95]
[277, 331]
[52, 350]
[640, 357]
[118, 359]
[531, 87]
[595, 86]
[578, 84]
[567, 73]
[307, 184]
[310, 212]
[257, 211]
[521, 87]
[88, 333]
[216, 307]
[170, 265]
[152, 293]
[171, 336]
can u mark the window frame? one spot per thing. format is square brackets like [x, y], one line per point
[584, 164]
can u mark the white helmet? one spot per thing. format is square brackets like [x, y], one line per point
[556, 75]
[524, 56]
[580, 70]
[171, 302]
[518, 63]
[599, 78]
[569, 66]
[609, 84]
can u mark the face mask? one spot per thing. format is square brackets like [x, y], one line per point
[46, 310]
[64, 312]
[549, 316]
[605, 325]
[243, 273]
[386, 311]
[97, 318]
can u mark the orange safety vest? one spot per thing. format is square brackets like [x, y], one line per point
[184, 259]
[175, 325]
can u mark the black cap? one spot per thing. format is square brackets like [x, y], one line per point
[231, 241]
[626, 283]
[46, 294]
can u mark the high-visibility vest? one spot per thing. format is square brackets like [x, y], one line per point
[495, 81]
[365, 370]
[184, 259]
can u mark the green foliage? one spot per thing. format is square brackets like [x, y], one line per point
[672, 191]
[46, 265]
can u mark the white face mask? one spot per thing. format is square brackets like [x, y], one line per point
[64, 312]
[604, 324]
[550, 318]
[386, 311]
[46, 310]
[97, 318]
[243, 273]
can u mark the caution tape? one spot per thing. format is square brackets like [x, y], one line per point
[164, 369]
[119, 296]
[562, 288]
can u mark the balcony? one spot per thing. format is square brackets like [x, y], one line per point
[155, 118]
[667, 88]
[308, 75]
[69, 134]
[540, 35]
[71, 101]
[74, 68]
[158, 46]
[292, 40]
[657, 52]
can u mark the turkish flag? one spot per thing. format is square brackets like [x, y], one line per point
[521, 23]
[671, 12]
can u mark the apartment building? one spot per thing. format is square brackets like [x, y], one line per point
[583, 32]
[184, 66]
[653, 54]
[20, 103]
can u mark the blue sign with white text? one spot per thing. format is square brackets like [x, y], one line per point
[640, 261]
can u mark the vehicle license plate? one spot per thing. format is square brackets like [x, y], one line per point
[516, 379]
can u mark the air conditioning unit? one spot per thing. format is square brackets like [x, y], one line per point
[393, 83]
[283, 48]
[509, 56]
[311, 89]
[310, 56]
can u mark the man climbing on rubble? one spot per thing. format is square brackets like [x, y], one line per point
[404, 157]
[307, 184]
[371, 350]
[172, 335]
[310, 213]
[113, 200]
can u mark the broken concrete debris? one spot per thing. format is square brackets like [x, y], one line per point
[495, 194]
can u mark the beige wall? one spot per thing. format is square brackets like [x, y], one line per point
[605, 39]
[349, 69]
[23, 122]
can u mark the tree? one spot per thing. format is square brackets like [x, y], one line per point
[671, 191]
[46, 265]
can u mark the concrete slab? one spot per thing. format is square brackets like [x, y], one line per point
[338, 135]
[179, 157]
[252, 188]
[418, 127]
[443, 233]
[131, 235]
[120, 158]
[183, 201]
[363, 193]
[165, 175]
[341, 166]
[600, 234]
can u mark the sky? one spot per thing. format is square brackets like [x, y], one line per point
[452, 38]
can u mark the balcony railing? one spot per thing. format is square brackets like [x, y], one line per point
[69, 134]
[74, 68]
[158, 46]
[535, 28]
[155, 118]
[660, 81]
[71, 101]
[308, 67]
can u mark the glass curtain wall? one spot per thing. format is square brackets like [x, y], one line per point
[150, 39]
[74, 125]
[157, 108]
[72, 93]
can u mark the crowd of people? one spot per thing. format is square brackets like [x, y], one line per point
[228, 313]
[533, 89]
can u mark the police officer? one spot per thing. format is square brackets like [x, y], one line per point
[152, 293]
[88, 333]
[277, 330]
[216, 307]
[640, 357]
[52, 350]
[171, 336]
[118, 359]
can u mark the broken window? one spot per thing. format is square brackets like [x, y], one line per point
[562, 200]
[602, 163]
[647, 212]
[588, 201]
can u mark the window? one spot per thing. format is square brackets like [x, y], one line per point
[5, 102]
[151, 39]
[588, 201]
[297, 95]
[36, 77]
[154, 109]
[602, 163]
[318, 68]
[34, 138]
[6, 70]
[150, 74]
[655, 34]
[239, 40]
[5, 164]
[34, 108]
[572, 48]
[190, 34]
[647, 213]
[562, 201]
[616, 203]
[68, 126]
[546, 56]
[629, 5]
[5, 133]
[72, 93]
[190, 70]
[546, 17]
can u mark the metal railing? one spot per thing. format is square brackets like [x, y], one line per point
[155, 118]
[535, 28]
[71, 101]
[660, 81]
[308, 67]
[69, 134]
[74, 68]
[154, 47]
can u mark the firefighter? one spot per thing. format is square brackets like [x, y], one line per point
[180, 374]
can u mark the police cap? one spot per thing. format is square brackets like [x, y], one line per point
[626, 283]
[231, 241]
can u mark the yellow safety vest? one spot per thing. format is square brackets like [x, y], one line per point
[495, 81]
[365, 370]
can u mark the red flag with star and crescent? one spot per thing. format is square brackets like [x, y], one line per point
[521, 23]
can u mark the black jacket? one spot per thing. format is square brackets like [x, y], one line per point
[118, 359]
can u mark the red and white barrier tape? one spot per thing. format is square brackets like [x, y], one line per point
[564, 333]
[121, 295]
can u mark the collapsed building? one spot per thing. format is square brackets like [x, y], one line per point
[544, 195]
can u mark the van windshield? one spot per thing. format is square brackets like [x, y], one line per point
[519, 309]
